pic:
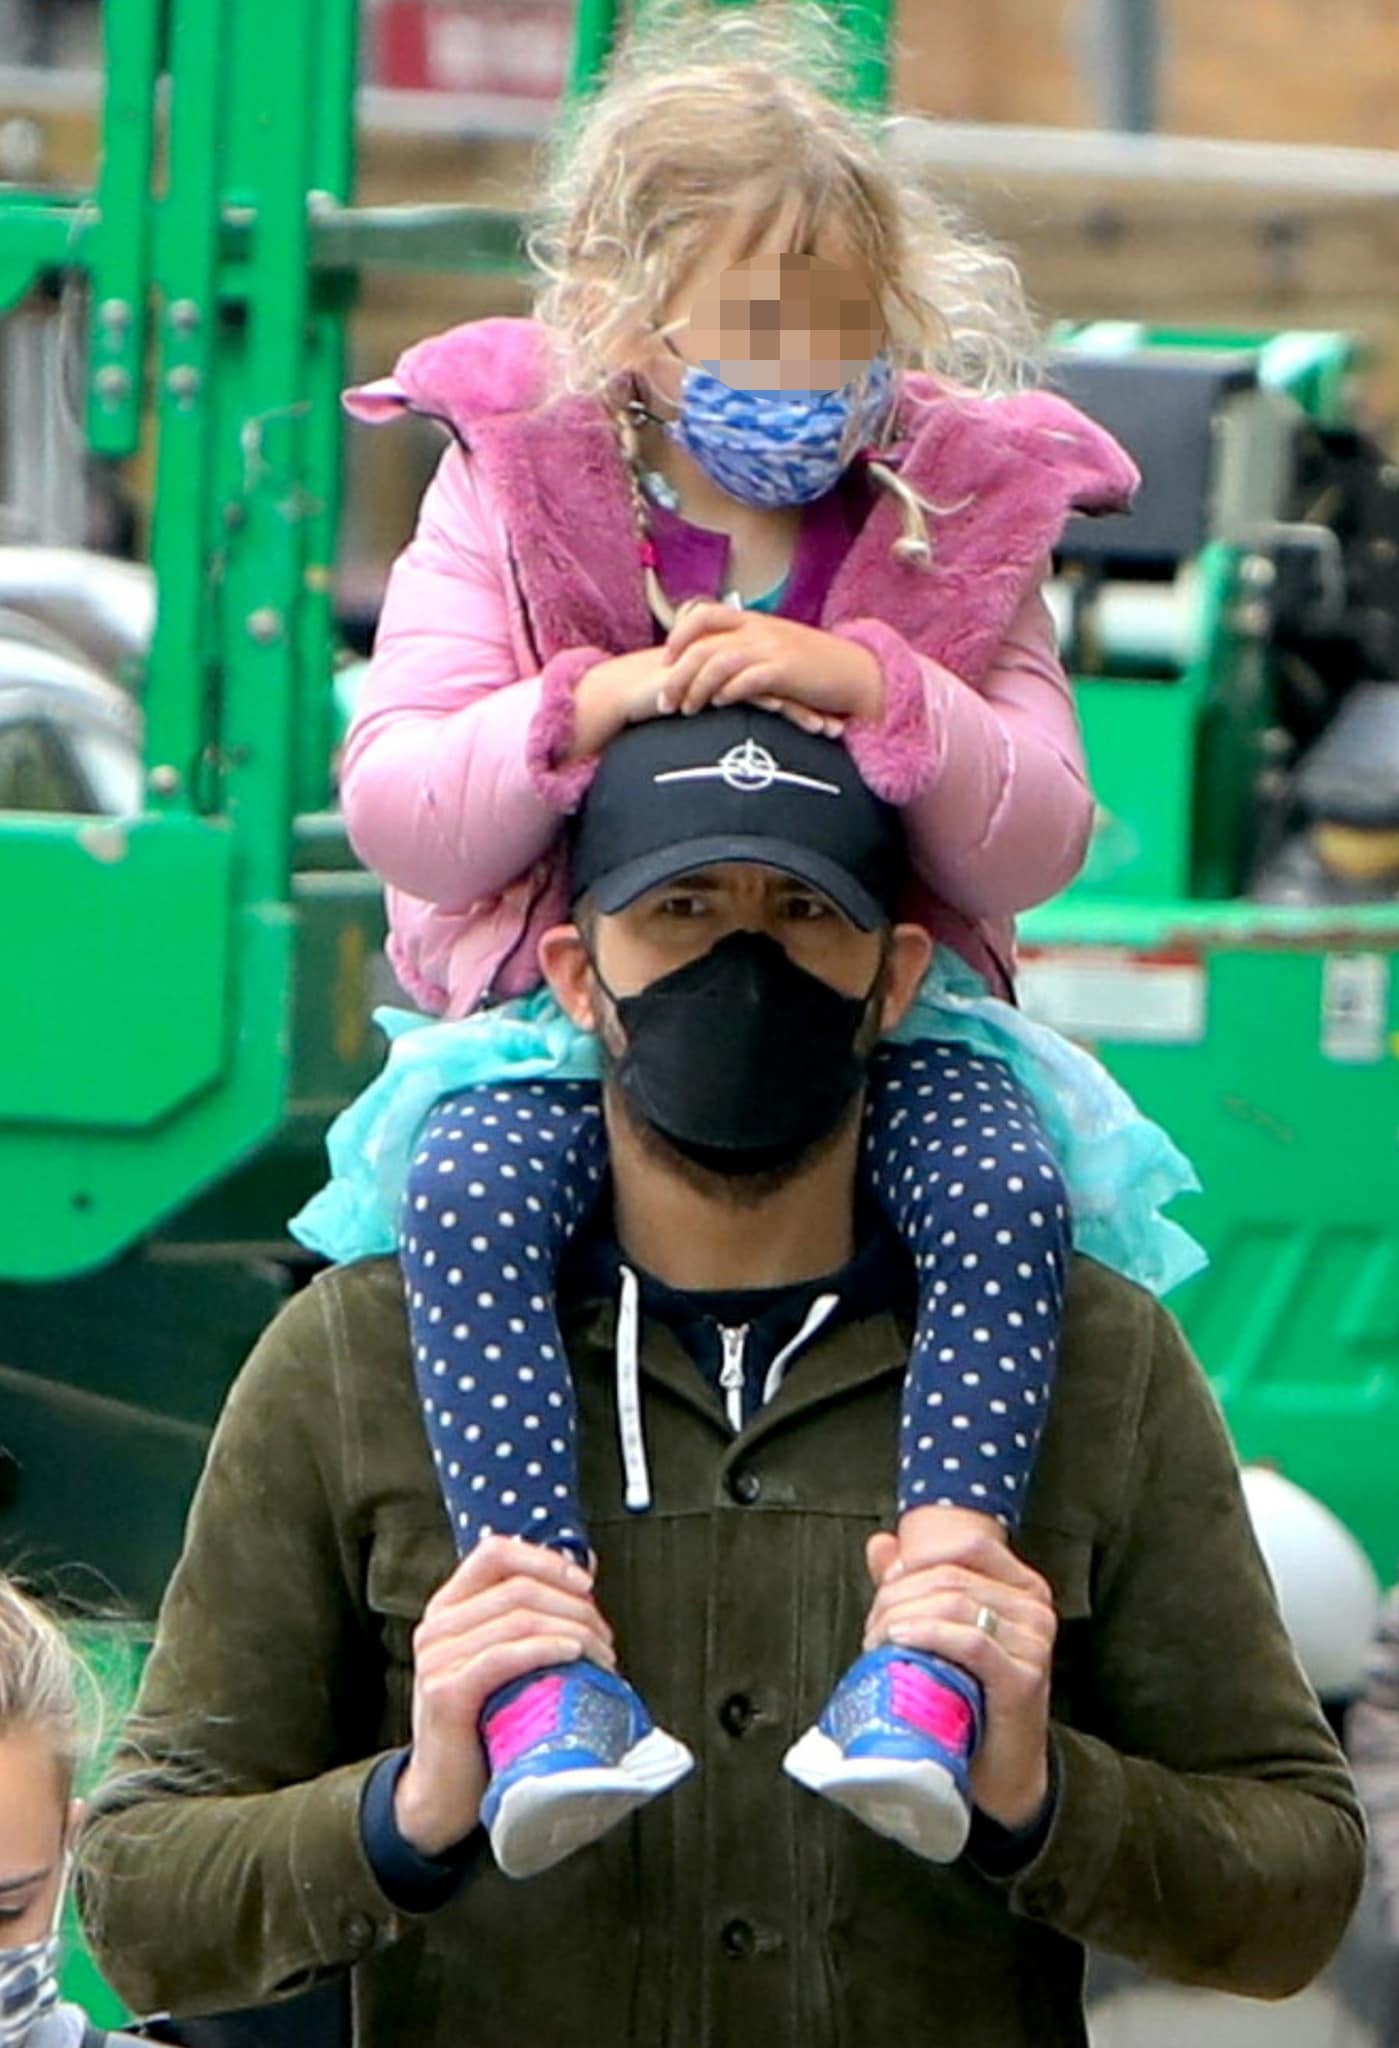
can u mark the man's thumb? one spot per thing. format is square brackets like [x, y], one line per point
[882, 1557]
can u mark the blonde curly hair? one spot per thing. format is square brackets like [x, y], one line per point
[703, 107]
[42, 1680]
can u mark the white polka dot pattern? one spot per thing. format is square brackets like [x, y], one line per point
[954, 1153]
[477, 1325]
[950, 1141]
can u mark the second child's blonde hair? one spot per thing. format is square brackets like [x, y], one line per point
[40, 1675]
[707, 110]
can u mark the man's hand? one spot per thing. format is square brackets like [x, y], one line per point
[722, 656]
[932, 1605]
[615, 694]
[508, 1609]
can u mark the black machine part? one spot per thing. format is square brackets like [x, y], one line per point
[1163, 410]
[1347, 486]
[1351, 776]
[1336, 637]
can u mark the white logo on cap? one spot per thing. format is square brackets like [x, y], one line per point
[748, 768]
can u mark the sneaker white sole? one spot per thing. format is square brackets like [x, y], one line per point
[916, 1804]
[542, 1820]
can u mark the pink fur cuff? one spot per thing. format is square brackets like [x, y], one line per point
[901, 754]
[560, 782]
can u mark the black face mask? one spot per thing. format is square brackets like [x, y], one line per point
[740, 1059]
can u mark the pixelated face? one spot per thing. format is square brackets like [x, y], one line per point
[783, 322]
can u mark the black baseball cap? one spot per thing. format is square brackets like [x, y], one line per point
[676, 794]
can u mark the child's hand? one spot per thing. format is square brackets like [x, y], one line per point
[616, 694]
[722, 656]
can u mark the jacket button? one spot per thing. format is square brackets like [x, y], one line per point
[745, 1488]
[737, 1939]
[737, 1714]
[358, 1930]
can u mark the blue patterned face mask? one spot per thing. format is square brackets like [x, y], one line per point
[775, 448]
[28, 1988]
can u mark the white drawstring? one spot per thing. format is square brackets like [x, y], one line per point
[816, 1315]
[628, 1357]
[629, 1431]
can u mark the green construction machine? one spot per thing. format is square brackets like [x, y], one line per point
[1230, 948]
[191, 954]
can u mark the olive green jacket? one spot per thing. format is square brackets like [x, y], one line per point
[1205, 1824]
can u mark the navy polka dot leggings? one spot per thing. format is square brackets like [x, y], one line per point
[503, 1177]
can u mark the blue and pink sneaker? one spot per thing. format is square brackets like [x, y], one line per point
[893, 1746]
[572, 1751]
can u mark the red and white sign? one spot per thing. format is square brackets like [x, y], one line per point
[504, 49]
[1109, 995]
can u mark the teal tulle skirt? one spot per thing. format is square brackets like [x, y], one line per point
[1120, 1168]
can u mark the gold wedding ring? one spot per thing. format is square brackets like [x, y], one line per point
[988, 1621]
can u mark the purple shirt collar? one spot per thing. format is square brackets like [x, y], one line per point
[691, 560]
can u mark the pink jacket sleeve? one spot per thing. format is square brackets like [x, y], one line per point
[992, 781]
[450, 785]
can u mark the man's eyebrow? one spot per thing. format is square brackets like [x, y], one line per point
[17, 1884]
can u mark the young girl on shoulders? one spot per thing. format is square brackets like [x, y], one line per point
[767, 441]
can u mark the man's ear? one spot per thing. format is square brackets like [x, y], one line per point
[910, 954]
[564, 963]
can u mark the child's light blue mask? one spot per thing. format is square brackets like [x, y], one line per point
[775, 448]
[28, 1988]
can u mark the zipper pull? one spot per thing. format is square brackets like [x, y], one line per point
[731, 1373]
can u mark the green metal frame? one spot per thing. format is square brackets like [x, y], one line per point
[1296, 1319]
[167, 946]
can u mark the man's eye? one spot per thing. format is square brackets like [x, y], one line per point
[683, 903]
[806, 909]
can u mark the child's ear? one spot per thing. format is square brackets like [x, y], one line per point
[564, 963]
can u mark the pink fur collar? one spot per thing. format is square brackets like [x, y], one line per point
[1000, 478]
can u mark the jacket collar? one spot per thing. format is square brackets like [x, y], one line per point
[1000, 477]
[860, 1340]
[838, 1360]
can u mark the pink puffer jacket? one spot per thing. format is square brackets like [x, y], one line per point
[524, 572]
